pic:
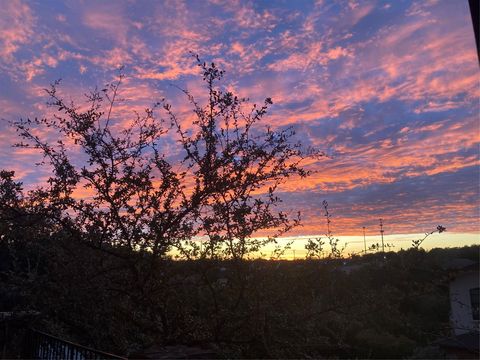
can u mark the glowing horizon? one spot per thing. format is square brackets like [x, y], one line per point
[355, 245]
[390, 90]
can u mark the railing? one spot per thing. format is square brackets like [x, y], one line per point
[39, 345]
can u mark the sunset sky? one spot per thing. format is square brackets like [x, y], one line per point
[388, 89]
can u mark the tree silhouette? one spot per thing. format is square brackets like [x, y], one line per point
[142, 201]
[143, 205]
[416, 243]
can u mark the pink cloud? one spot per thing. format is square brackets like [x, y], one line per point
[108, 20]
[16, 27]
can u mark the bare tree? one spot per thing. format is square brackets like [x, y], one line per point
[140, 200]
[144, 205]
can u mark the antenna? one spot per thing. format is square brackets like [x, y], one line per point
[364, 241]
[381, 232]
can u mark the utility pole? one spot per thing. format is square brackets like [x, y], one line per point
[381, 232]
[294, 254]
[364, 240]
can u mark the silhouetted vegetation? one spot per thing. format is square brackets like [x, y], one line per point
[119, 270]
[380, 308]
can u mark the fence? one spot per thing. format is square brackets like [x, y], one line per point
[39, 345]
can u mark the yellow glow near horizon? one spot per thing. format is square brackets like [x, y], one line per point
[355, 244]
